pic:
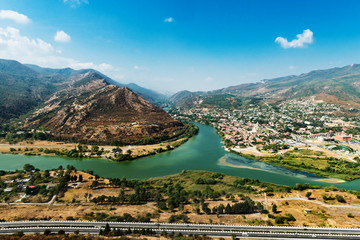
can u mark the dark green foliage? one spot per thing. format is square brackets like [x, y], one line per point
[179, 218]
[28, 167]
[284, 219]
[340, 198]
[222, 101]
[274, 208]
[47, 232]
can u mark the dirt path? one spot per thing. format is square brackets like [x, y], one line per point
[307, 200]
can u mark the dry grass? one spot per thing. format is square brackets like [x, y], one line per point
[137, 150]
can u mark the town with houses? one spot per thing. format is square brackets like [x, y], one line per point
[293, 123]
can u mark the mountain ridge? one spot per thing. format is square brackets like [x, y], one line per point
[342, 83]
[93, 110]
[23, 87]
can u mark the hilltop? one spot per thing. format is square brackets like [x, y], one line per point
[23, 87]
[92, 109]
[81, 106]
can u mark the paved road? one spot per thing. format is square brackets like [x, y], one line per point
[238, 234]
[33, 230]
[270, 232]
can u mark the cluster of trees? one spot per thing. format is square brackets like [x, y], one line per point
[107, 231]
[245, 207]
[12, 137]
[210, 181]
[283, 219]
[275, 147]
[126, 217]
[178, 218]
[77, 152]
[141, 195]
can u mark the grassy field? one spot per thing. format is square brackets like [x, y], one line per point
[316, 162]
[199, 190]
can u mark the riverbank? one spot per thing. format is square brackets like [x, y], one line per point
[325, 180]
[48, 148]
[310, 161]
[124, 153]
[201, 152]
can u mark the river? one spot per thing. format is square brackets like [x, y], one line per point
[202, 152]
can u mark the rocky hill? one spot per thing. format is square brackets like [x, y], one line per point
[23, 87]
[91, 109]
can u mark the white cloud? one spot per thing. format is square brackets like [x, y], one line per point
[301, 40]
[142, 68]
[15, 46]
[169, 20]
[75, 3]
[208, 79]
[62, 36]
[12, 44]
[103, 67]
[15, 16]
[291, 67]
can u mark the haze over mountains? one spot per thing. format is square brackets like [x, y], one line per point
[25, 88]
[336, 85]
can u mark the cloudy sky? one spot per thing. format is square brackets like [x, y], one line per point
[171, 45]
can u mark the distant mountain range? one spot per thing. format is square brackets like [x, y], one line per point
[335, 85]
[23, 86]
[34, 93]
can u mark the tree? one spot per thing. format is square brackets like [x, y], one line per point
[228, 209]
[308, 194]
[94, 148]
[122, 196]
[19, 234]
[274, 208]
[340, 198]
[47, 232]
[94, 184]
[46, 174]
[107, 229]
[80, 178]
[28, 167]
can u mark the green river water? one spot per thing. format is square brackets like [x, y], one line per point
[201, 152]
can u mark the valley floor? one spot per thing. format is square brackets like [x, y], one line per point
[107, 152]
[323, 208]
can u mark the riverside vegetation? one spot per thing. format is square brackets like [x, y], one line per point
[191, 196]
[84, 151]
[312, 161]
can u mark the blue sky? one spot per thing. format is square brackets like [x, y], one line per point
[170, 45]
